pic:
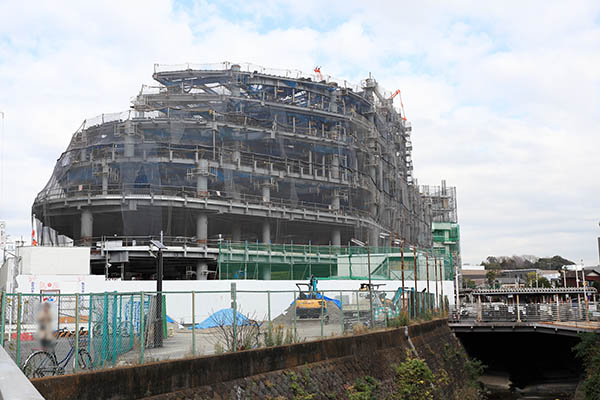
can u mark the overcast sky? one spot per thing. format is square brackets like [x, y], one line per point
[504, 97]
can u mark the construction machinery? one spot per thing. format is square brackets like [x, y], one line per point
[383, 307]
[310, 304]
[359, 309]
[396, 93]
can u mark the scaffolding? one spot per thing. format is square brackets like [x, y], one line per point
[242, 153]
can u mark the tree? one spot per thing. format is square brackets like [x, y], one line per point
[553, 263]
[414, 380]
[541, 281]
[491, 263]
[246, 334]
[469, 283]
[525, 261]
[588, 350]
[491, 276]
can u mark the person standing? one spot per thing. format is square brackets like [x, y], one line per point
[44, 320]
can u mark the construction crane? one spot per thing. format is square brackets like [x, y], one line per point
[396, 93]
[318, 72]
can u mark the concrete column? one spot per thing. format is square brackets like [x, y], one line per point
[201, 228]
[235, 90]
[266, 231]
[380, 173]
[236, 157]
[336, 237]
[105, 172]
[266, 272]
[333, 101]
[87, 227]
[373, 206]
[201, 271]
[129, 149]
[236, 232]
[373, 237]
[335, 201]
[335, 167]
[266, 193]
[202, 177]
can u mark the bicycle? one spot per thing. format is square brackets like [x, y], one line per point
[43, 362]
[123, 329]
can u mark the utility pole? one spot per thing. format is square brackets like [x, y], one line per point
[427, 264]
[415, 298]
[402, 266]
[587, 316]
[158, 327]
[456, 274]
[370, 286]
[363, 244]
[435, 268]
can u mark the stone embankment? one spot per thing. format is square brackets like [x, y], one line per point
[319, 369]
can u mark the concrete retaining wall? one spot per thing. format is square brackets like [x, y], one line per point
[325, 365]
[13, 384]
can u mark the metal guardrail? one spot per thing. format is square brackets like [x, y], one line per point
[249, 67]
[78, 191]
[540, 312]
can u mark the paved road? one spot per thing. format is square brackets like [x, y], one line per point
[63, 345]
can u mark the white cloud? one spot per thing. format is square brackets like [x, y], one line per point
[503, 97]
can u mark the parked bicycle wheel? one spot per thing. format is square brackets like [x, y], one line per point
[125, 329]
[39, 364]
[83, 360]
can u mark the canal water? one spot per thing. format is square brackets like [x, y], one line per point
[500, 387]
[538, 366]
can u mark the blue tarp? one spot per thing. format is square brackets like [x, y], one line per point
[334, 301]
[223, 317]
[170, 320]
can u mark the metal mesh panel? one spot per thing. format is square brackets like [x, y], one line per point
[113, 329]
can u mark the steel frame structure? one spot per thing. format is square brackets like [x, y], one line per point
[243, 153]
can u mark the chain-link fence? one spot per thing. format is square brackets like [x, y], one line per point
[54, 333]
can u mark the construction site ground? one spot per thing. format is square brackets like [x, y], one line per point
[179, 344]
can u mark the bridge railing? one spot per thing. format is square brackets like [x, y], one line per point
[537, 312]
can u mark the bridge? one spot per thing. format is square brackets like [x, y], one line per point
[564, 311]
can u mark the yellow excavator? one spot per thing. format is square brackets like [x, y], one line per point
[310, 303]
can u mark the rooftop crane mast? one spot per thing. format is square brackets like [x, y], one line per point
[396, 93]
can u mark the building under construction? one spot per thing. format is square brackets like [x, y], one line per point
[236, 153]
